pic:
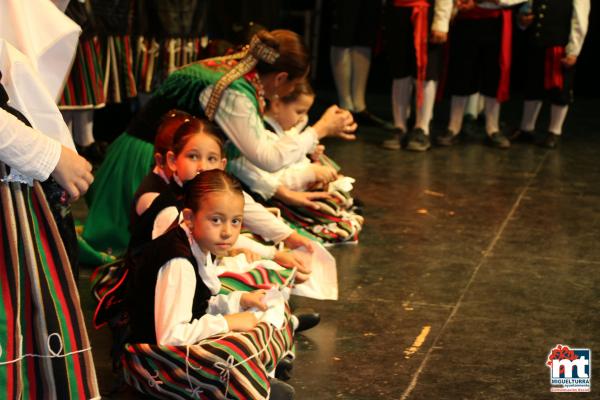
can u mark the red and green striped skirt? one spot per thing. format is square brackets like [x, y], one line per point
[85, 87]
[231, 366]
[45, 352]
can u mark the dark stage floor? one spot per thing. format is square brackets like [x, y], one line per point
[474, 263]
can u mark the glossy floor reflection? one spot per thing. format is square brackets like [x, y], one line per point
[489, 257]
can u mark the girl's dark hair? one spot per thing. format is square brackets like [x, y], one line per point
[194, 126]
[293, 55]
[206, 182]
[169, 124]
[302, 88]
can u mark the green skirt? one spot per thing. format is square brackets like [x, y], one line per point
[110, 197]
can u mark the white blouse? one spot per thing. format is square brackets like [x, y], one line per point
[174, 298]
[238, 118]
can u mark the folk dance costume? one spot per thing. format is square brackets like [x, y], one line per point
[181, 345]
[557, 31]
[480, 60]
[44, 349]
[335, 222]
[415, 61]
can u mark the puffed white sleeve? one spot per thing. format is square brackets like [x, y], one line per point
[238, 118]
[173, 302]
[259, 220]
[25, 149]
[579, 26]
[260, 181]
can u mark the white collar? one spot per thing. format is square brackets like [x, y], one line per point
[206, 268]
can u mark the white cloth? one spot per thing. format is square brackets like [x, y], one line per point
[322, 283]
[27, 150]
[45, 35]
[238, 118]
[442, 11]
[174, 298]
[262, 222]
[501, 4]
[28, 94]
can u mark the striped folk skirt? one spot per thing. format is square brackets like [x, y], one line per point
[231, 366]
[44, 348]
[333, 223]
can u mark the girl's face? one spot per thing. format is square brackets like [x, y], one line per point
[217, 223]
[289, 115]
[200, 153]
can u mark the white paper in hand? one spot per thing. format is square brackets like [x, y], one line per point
[322, 284]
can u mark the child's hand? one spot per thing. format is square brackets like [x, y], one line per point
[250, 255]
[465, 5]
[323, 173]
[253, 299]
[241, 322]
[336, 122]
[73, 173]
[291, 260]
[319, 151]
[300, 199]
[438, 37]
[569, 61]
[296, 240]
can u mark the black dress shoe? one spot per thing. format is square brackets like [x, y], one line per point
[550, 141]
[447, 138]
[281, 390]
[522, 136]
[498, 140]
[396, 142]
[417, 140]
[307, 321]
[284, 368]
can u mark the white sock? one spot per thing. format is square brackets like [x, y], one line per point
[83, 127]
[472, 107]
[557, 118]
[295, 322]
[342, 75]
[425, 112]
[531, 110]
[361, 62]
[401, 92]
[492, 115]
[457, 111]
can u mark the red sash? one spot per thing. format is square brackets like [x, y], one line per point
[420, 22]
[553, 68]
[505, 46]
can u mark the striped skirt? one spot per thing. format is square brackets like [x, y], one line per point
[231, 366]
[85, 88]
[44, 348]
[333, 223]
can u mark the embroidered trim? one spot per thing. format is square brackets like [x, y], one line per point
[249, 57]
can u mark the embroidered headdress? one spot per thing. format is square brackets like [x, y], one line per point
[250, 55]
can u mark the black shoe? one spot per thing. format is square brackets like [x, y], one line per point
[307, 321]
[550, 141]
[281, 390]
[522, 136]
[364, 117]
[417, 140]
[447, 138]
[498, 140]
[396, 142]
[284, 368]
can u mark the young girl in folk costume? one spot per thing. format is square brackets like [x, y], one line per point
[186, 146]
[416, 32]
[187, 340]
[556, 31]
[323, 212]
[480, 60]
[270, 66]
